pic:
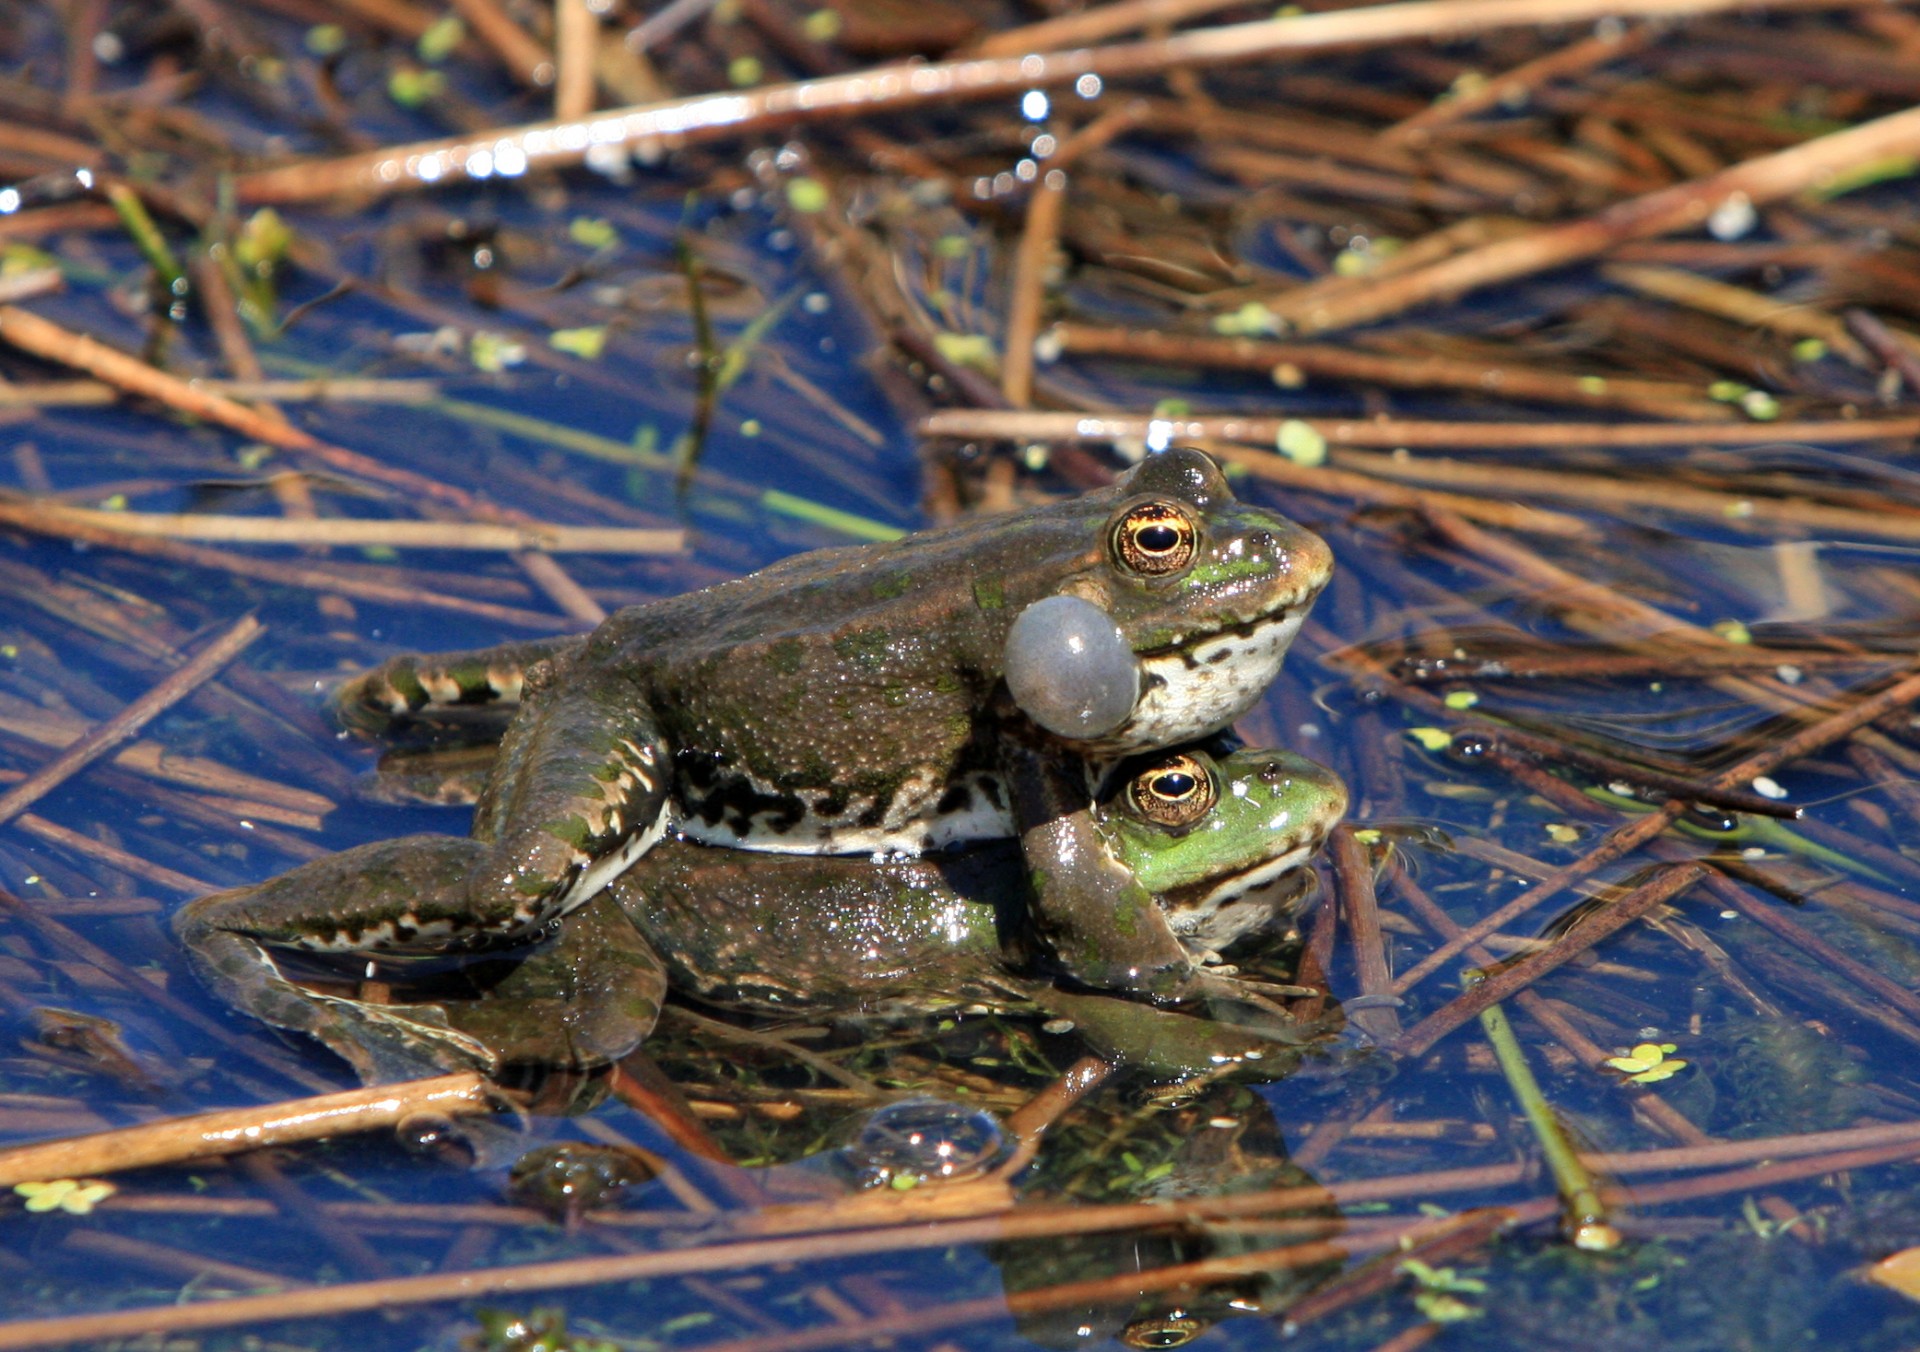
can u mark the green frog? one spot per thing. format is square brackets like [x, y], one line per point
[1203, 827]
[845, 701]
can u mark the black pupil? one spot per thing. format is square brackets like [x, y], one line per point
[1157, 538]
[1165, 1338]
[1173, 784]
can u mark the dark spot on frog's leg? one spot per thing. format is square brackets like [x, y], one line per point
[958, 798]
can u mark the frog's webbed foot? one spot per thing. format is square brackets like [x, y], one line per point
[1241, 1004]
[383, 1043]
[417, 685]
[582, 999]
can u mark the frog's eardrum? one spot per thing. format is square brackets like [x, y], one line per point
[1070, 669]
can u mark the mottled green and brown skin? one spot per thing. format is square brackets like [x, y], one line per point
[797, 932]
[847, 701]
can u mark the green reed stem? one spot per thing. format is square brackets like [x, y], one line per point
[1586, 1216]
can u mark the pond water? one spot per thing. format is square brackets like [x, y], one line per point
[1537, 635]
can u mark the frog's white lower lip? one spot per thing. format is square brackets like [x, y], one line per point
[1196, 916]
[1198, 690]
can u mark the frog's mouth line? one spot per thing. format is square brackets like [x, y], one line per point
[1202, 899]
[1185, 646]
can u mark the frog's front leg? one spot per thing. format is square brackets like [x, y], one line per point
[1102, 924]
[581, 789]
[416, 684]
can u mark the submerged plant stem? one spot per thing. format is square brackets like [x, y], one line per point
[1586, 1217]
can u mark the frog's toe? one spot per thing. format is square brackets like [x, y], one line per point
[388, 1043]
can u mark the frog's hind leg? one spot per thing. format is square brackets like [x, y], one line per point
[417, 685]
[394, 895]
[580, 1000]
[580, 790]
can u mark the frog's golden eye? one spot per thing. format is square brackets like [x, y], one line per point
[1167, 1331]
[1177, 792]
[1154, 539]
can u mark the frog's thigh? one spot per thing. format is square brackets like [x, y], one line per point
[407, 685]
[365, 898]
[408, 894]
[584, 998]
[581, 790]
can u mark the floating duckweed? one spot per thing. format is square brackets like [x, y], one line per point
[495, 352]
[1249, 321]
[586, 343]
[75, 1196]
[326, 39]
[1648, 1063]
[1461, 699]
[823, 25]
[592, 232]
[1733, 631]
[1593, 384]
[1367, 835]
[263, 242]
[743, 71]
[412, 87]
[1432, 739]
[1728, 391]
[1173, 408]
[1759, 405]
[1301, 443]
[1809, 349]
[442, 36]
[807, 195]
[1561, 832]
[966, 349]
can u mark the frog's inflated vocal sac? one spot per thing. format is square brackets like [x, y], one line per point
[750, 930]
[843, 701]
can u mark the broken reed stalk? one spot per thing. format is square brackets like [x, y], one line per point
[1021, 425]
[1630, 835]
[1353, 869]
[1649, 1104]
[651, 130]
[227, 1131]
[1765, 179]
[49, 341]
[1505, 380]
[148, 988]
[1896, 521]
[492, 537]
[1341, 483]
[123, 725]
[1584, 1216]
[1519, 83]
[308, 576]
[433, 1288]
[1667, 884]
[125, 861]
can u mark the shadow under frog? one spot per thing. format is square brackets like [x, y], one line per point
[1221, 1142]
[1202, 829]
[850, 701]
